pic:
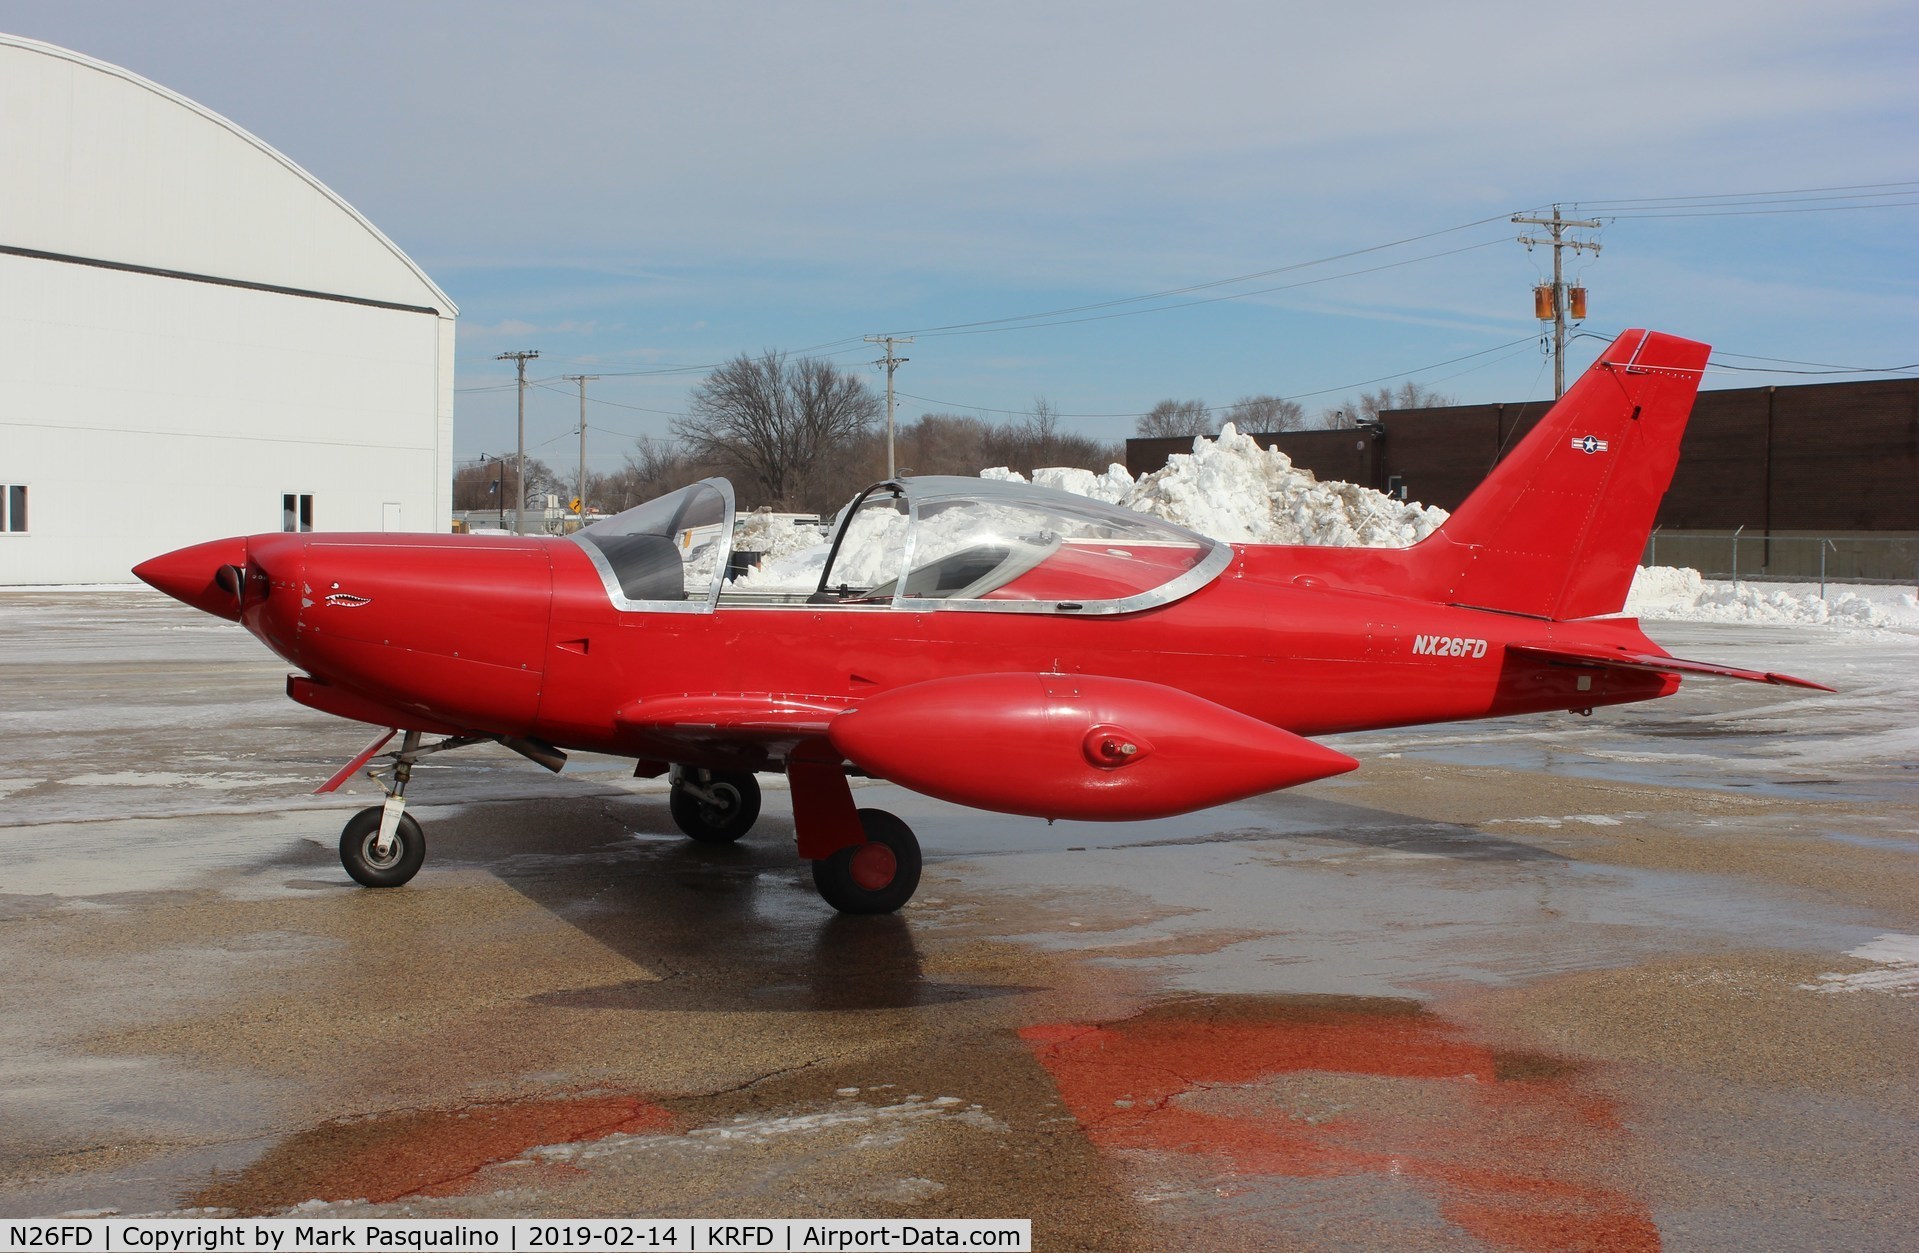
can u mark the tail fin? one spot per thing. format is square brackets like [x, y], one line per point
[1556, 529]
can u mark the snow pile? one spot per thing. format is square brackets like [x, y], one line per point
[1231, 489]
[774, 535]
[1667, 594]
[796, 555]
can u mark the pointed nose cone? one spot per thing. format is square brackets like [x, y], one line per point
[205, 576]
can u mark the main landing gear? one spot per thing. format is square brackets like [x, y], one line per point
[714, 806]
[864, 861]
[876, 877]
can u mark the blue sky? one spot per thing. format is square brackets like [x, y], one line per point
[641, 187]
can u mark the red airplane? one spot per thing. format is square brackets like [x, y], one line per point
[997, 645]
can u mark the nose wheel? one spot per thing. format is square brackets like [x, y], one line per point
[368, 862]
[714, 806]
[383, 846]
[876, 877]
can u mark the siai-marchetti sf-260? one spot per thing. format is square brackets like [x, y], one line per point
[992, 644]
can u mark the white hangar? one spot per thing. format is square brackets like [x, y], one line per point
[197, 338]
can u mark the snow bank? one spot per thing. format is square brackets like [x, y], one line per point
[1232, 489]
[1667, 594]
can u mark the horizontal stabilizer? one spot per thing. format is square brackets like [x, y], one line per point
[1626, 659]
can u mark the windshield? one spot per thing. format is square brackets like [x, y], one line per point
[958, 543]
[669, 553]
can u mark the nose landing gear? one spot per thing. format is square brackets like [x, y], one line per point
[383, 846]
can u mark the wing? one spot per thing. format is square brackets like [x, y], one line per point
[697, 725]
[1627, 659]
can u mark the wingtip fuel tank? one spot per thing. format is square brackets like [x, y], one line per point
[1074, 746]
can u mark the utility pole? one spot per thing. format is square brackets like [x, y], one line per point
[891, 363]
[1558, 242]
[520, 358]
[582, 380]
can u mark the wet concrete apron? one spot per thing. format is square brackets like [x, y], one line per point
[1434, 1005]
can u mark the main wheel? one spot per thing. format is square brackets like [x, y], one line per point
[403, 856]
[876, 877]
[731, 813]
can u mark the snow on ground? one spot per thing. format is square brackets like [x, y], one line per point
[1896, 958]
[1667, 594]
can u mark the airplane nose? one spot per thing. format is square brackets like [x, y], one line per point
[206, 576]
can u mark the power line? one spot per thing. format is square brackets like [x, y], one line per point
[1220, 282]
[1773, 363]
[1748, 195]
[1747, 213]
[846, 345]
[1189, 304]
[601, 400]
[1324, 391]
[1826, 365]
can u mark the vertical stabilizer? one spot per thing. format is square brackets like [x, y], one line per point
[1556, 529]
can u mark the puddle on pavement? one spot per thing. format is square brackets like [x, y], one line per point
[429, 1152]
[1216, 1097]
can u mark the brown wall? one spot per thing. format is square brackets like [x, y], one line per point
[1827, 457]
[1349, 456]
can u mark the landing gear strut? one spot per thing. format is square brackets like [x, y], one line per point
[865, 861]
[714, 806]
[383, 846]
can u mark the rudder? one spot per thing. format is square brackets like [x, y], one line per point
[1555, 531]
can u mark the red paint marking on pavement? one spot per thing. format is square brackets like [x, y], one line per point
[434, 1152]
[1501, 1139]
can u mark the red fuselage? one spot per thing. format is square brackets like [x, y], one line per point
[518, 637]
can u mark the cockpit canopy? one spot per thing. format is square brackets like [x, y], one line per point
[668, 554]
[932, 543]
[986, 545]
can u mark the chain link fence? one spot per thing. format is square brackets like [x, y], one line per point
[1819, 559]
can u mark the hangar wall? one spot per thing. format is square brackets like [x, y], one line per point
[195, 327]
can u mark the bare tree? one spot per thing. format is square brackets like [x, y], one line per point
[944, 443]
[777, 422]
[1408, 395]
[1170, 418]
[654, 468]
[485, 484]
[1266, 414]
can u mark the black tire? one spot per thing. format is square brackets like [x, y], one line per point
[849, 880]
[403, 859]
[718, 824]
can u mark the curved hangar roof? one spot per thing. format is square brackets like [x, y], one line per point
[124, 173]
